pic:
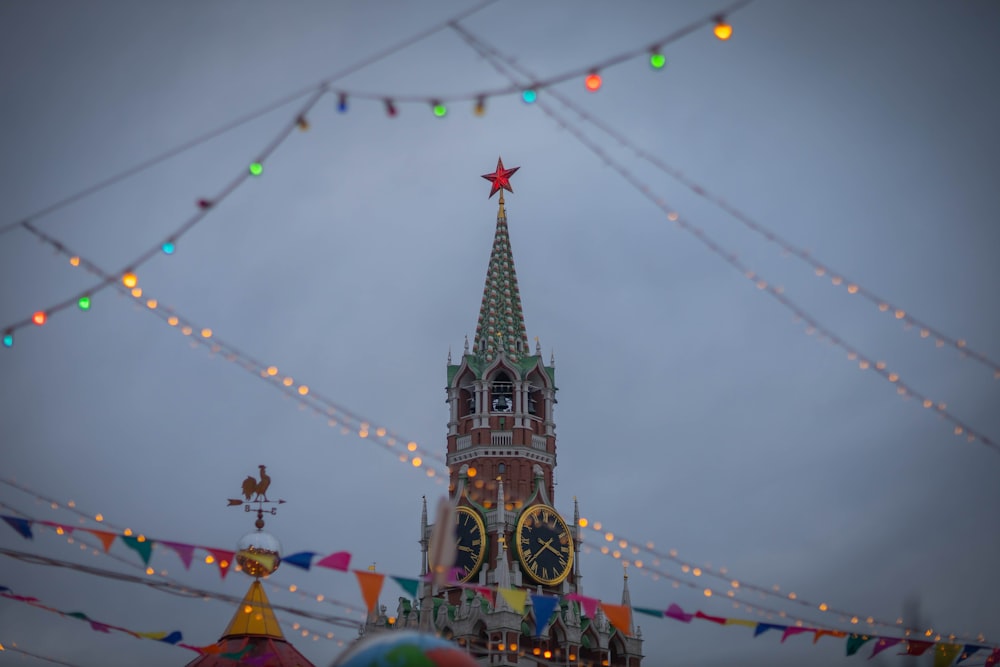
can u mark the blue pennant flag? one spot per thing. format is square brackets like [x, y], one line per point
[23, 526]
[543, 606]
[302, 559]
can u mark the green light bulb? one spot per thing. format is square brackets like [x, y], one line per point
[440, 110]
[529, 96]
[8, 339]
[256, 169]
[83, 302]
[657, 60]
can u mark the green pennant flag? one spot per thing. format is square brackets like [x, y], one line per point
[408, 585]
[143, 548]
[854, 642]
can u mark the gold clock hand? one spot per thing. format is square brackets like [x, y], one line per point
[548, 545]
[462, 547]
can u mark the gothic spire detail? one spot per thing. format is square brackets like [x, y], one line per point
[627, 600]
[501, 318]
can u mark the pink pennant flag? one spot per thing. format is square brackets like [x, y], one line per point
[223, 558]
[675, 612]
[185, 551]
[338, 561]
[994, 658]
[589, 604]
[790, 630]
[52, 524]
[882, 644]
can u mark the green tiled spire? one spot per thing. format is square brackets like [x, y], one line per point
[501, 319]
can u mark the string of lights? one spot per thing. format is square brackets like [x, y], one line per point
[819, 267]
[904, 390]
[85, 518]
[100, 519]
[169, 245]
[620, 545]
[336, 415]
[319, 86]
[17, 649]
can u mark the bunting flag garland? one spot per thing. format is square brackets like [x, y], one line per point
[967, 652]
[589, 604]
[764, 627]
[22, 526]
[338, 561]
[658, 613]
[107, 538]
[915, 647]
[223, 558]
[409, 585]
[831, 633]
[97, 626]
[944, 654]
[855, 642]
[676, 613]
[714, 619]
[793, 630]
[140, 545]
[742, 621]
[994, 658]
[303, 559]
[185, 551]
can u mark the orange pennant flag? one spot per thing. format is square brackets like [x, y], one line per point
[830, 633]
[371, 586]
[106, 538]
[619, 615]
[514, 598]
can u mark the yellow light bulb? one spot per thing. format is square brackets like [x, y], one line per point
[129, 279]
[723, 30]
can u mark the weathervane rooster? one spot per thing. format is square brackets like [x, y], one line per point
[252, 486]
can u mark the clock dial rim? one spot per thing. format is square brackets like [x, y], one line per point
[481, 525]
[564, 573]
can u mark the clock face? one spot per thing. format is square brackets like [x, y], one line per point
[470, 538]
[544, 545]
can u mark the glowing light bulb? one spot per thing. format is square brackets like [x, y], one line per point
[529, 96]
[657, 60]
[129, 279]
[74, 261]
[480, 108]
[302, 123]
[83, 303]
[593, 82]
[256, 169]
[8, 339]
[168, 247]
[342, 102]
[39, 317]
[722, 29]
[440, 110]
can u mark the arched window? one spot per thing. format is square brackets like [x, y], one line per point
[502, 393]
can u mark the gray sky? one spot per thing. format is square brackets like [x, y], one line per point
[693, 410]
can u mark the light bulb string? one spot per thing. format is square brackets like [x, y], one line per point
[736, 584]
[144, 257]
[37, 656]
[323, 84]
[903, 389]
[86, 518]
[819, 267]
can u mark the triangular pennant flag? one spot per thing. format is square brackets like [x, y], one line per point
[831, 633]
[742, 621]
[543, 606]
[223, 559]
[58, 526]
[22, 526]
[408, 585]
[914, 647]
[514, 598]
[967, 652]
[142, 547]
[791, 630]
[77, 614]
[993, 659]
[487, 593]
[589, 604]
[338, 561]
[675, 612]
[185, 551]
[764, 627]
[3, 588]
[620, 616]
[371, 586]
[854, 642]
[106, 538]
[100, 627]
[302, 559]
[714, 619]
[649, 612]
[211, 649]
[945, 653]
[882, 644]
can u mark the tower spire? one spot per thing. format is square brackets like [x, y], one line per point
[501, 318]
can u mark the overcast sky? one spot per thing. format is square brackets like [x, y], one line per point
[694, 410]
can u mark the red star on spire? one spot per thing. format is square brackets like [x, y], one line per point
[500, 178]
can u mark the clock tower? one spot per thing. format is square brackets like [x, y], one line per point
[501, 456]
